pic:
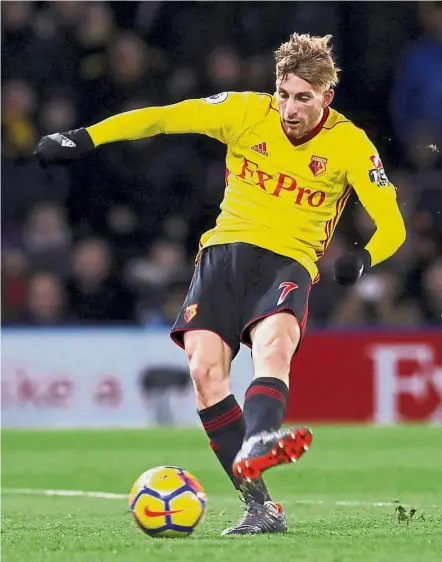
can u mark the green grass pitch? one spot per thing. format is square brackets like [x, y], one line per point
[330, 497]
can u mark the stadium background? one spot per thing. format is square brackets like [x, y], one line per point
[108, 243]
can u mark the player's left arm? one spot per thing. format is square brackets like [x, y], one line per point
[366, 174]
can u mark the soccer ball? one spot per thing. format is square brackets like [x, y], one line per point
[167, 501]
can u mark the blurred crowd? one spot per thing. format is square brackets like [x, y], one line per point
[112, 239]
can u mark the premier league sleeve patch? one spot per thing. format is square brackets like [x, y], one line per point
[377, 175]
[217, 98]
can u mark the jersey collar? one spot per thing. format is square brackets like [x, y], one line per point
[308, 136]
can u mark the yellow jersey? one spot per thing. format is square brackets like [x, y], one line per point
[282, 195]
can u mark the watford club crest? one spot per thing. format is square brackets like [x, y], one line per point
[190, 312]
[318, 165]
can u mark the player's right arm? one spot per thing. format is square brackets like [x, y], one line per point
[221, 117]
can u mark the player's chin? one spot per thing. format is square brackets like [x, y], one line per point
[295, 130]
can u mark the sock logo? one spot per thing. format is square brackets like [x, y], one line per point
[286, 287]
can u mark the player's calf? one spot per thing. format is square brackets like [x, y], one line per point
[272, 356]
[274, 342]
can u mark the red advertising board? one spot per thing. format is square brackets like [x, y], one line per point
[383, 377]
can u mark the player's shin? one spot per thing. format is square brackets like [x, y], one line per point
[225, 427]
[265, 405]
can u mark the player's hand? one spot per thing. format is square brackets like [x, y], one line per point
[349, 268]
[62, 147]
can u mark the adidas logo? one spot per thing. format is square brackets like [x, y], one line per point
[261, 148]
[61, 139]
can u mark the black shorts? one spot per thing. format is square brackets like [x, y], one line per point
[237, 285]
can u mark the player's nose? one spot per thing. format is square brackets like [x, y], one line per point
[291, 109]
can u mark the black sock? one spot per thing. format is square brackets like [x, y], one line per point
[265, 404]
[225, 427]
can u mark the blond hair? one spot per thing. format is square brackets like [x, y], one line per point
[309, 58]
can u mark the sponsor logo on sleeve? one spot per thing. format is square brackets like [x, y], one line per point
[376, 161]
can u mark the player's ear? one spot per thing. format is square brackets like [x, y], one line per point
[328, 97]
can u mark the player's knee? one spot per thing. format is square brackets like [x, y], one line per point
[209, 364]
[202, 372]
[205, 368]
[209, 379]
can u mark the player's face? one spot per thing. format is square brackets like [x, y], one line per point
[301, 104]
